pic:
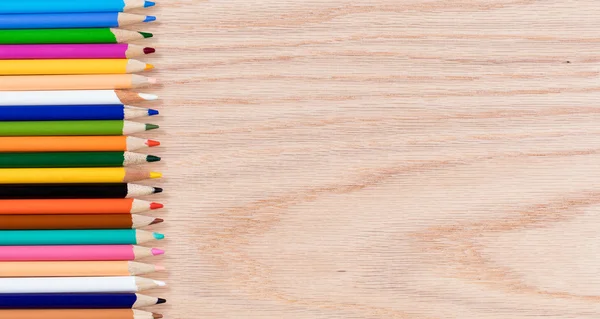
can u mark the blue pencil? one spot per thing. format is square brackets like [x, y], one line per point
[71, 20]
[68, 6]
[77, 301]
[73, 112]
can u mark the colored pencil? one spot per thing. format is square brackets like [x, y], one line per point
[75, 159]
[79, 128]
[103, 206]
[74, 175]
[71, 20]
[66, 222]
[76, 237]
[77, 253]
[72, 51]
[121, 284]
[78, 97]
[75, 191]
[78, 314]
[74, 82]
[72, 66]
[74, 144]
[75, 269]
[44, 6]
[77, 301]
[72, 112]
[70, 36]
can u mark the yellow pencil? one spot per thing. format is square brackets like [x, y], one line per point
[75, 66]
[74, 175]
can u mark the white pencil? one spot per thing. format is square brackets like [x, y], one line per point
[81, 97]
[124, 284]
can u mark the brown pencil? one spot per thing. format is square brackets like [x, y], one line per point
[100, 221]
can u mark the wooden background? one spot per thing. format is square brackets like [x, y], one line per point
[412, 159]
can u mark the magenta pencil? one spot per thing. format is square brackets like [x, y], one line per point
[72, 51]
[76, 253]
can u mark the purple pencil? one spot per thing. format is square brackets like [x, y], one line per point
[72, 51]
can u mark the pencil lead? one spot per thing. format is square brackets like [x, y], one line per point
[151, 127]
[157, 252]
[149, 50]
[150, 19]
[149, 4]
[157, 316]
[161, 300]
[152, 158]
[148, 97]
[159, 268]
[154, 175]
[158, 236]
[152, 112]
[146, 35]
[158, 190]
[148, 67]
[152, 143]
[154, 206]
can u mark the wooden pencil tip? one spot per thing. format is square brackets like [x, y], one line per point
[157, 252]
[146, 35]
[152, 158]
[159, 268]
[154, 175]
[158, 190]
[149, 50]
[148, 67]
[161, 300]
[157, 316]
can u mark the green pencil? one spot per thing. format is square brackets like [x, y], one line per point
[74, 159]
[67, 36]
[76, 237]
[59, 128]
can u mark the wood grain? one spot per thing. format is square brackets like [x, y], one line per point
[411, 159]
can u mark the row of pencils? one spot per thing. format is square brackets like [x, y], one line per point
[70, 211]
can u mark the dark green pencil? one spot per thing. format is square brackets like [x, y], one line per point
[70, 36]
[74, 159]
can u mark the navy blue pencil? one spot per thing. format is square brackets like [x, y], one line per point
[77, 301]
[71, 20]
[72, 112]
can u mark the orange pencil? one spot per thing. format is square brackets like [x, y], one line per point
[75, 268]
[73, 82]
[73, 144]
[75, 206]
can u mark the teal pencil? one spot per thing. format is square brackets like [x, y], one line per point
[76, 237]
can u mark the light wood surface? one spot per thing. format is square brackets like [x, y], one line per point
[380, 158]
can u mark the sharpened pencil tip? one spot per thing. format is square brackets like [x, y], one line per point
[150, 19]
[158, 190]
[157, 252]
[152, 143]
[146, 35]
[151, 127]
[154, 206]
[149, 4]
[152, 158]
[158, 236]
[152, 80]
[159, 268]
[148, 67]
[148, 97]
[157, 316]
[154, 175]
[149, 50]
[157, 221]
[161, 300]
[160, 283]
[152, 112]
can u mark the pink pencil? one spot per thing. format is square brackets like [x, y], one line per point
[72, 51]
[76, 253]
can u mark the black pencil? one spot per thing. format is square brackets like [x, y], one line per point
[59, 191]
